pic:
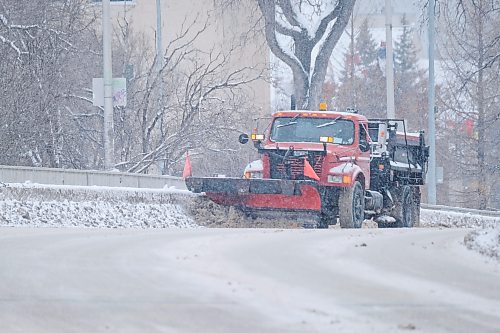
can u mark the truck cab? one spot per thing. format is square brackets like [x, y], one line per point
[335, 144]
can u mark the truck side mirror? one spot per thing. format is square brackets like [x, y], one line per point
[364, 146]
[243, 138]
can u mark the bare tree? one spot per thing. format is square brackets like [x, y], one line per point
[470, 97]
[491, 7]
[42, 45]
[205, 99]
[303, 35]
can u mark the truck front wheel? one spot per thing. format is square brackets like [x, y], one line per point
[352, 206]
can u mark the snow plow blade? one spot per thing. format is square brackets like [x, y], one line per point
[259, 197]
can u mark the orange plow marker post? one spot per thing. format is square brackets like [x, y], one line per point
[187, 172]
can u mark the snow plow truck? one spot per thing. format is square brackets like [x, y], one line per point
[327, 168]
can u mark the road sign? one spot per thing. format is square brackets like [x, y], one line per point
[119, 91]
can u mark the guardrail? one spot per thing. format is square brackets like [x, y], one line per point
[11, 174]
[489, 213]
[18, 174]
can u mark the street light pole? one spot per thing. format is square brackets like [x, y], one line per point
[431, 185]
[389, 62]
[159, 65]
[159, 49]
[159, 44]
[108, 135]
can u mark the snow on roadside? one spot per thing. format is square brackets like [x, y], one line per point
[33, 189]
[485, 241]
[438, 218]
[37, 205]
[485, 238]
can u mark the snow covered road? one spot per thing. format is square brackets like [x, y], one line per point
[245, 280]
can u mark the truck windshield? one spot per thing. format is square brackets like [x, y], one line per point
[304, 129]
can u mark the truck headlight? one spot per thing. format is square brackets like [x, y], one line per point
[335, 179]
[253, 174]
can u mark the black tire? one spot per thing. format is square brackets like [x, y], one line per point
[323, 222]
[405, 211]
[352, 206]
[416, 208]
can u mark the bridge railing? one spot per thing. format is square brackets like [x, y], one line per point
[489, 213]
[17, 174]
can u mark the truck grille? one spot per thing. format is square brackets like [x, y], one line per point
[296, 167]
[293, 168]
[318, 163]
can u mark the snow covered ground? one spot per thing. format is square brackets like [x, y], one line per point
[245, 280]
[437, 218]
[35, 205]
[111, 272]
[485, 238]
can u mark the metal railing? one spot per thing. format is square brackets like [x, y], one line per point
[490, 213]
[16, 174]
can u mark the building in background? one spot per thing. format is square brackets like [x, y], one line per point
[226, 28]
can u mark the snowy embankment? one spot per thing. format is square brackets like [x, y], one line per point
[37, 205]
[485, 239]
[447, 219]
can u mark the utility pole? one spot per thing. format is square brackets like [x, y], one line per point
[109, 145]
[159, 67]
[159, 44]
[431, 184]
[389, 62]
[354, 101]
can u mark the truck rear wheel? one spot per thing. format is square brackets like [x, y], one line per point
[352, 206]
[405, 210]
[416, 208]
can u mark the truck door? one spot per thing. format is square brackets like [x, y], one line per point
[363, 152]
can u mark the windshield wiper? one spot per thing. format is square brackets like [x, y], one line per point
[291, 122]
[287, 124]
[334, 121]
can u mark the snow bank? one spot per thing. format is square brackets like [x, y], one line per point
[437, 218]
[29, 189]
[209, 214]
[486, 241]
[37, 205]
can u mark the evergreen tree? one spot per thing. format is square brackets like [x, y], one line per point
[405, 54]
[351, 63]
[366, 45]
[362, 84]
[410, 84]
